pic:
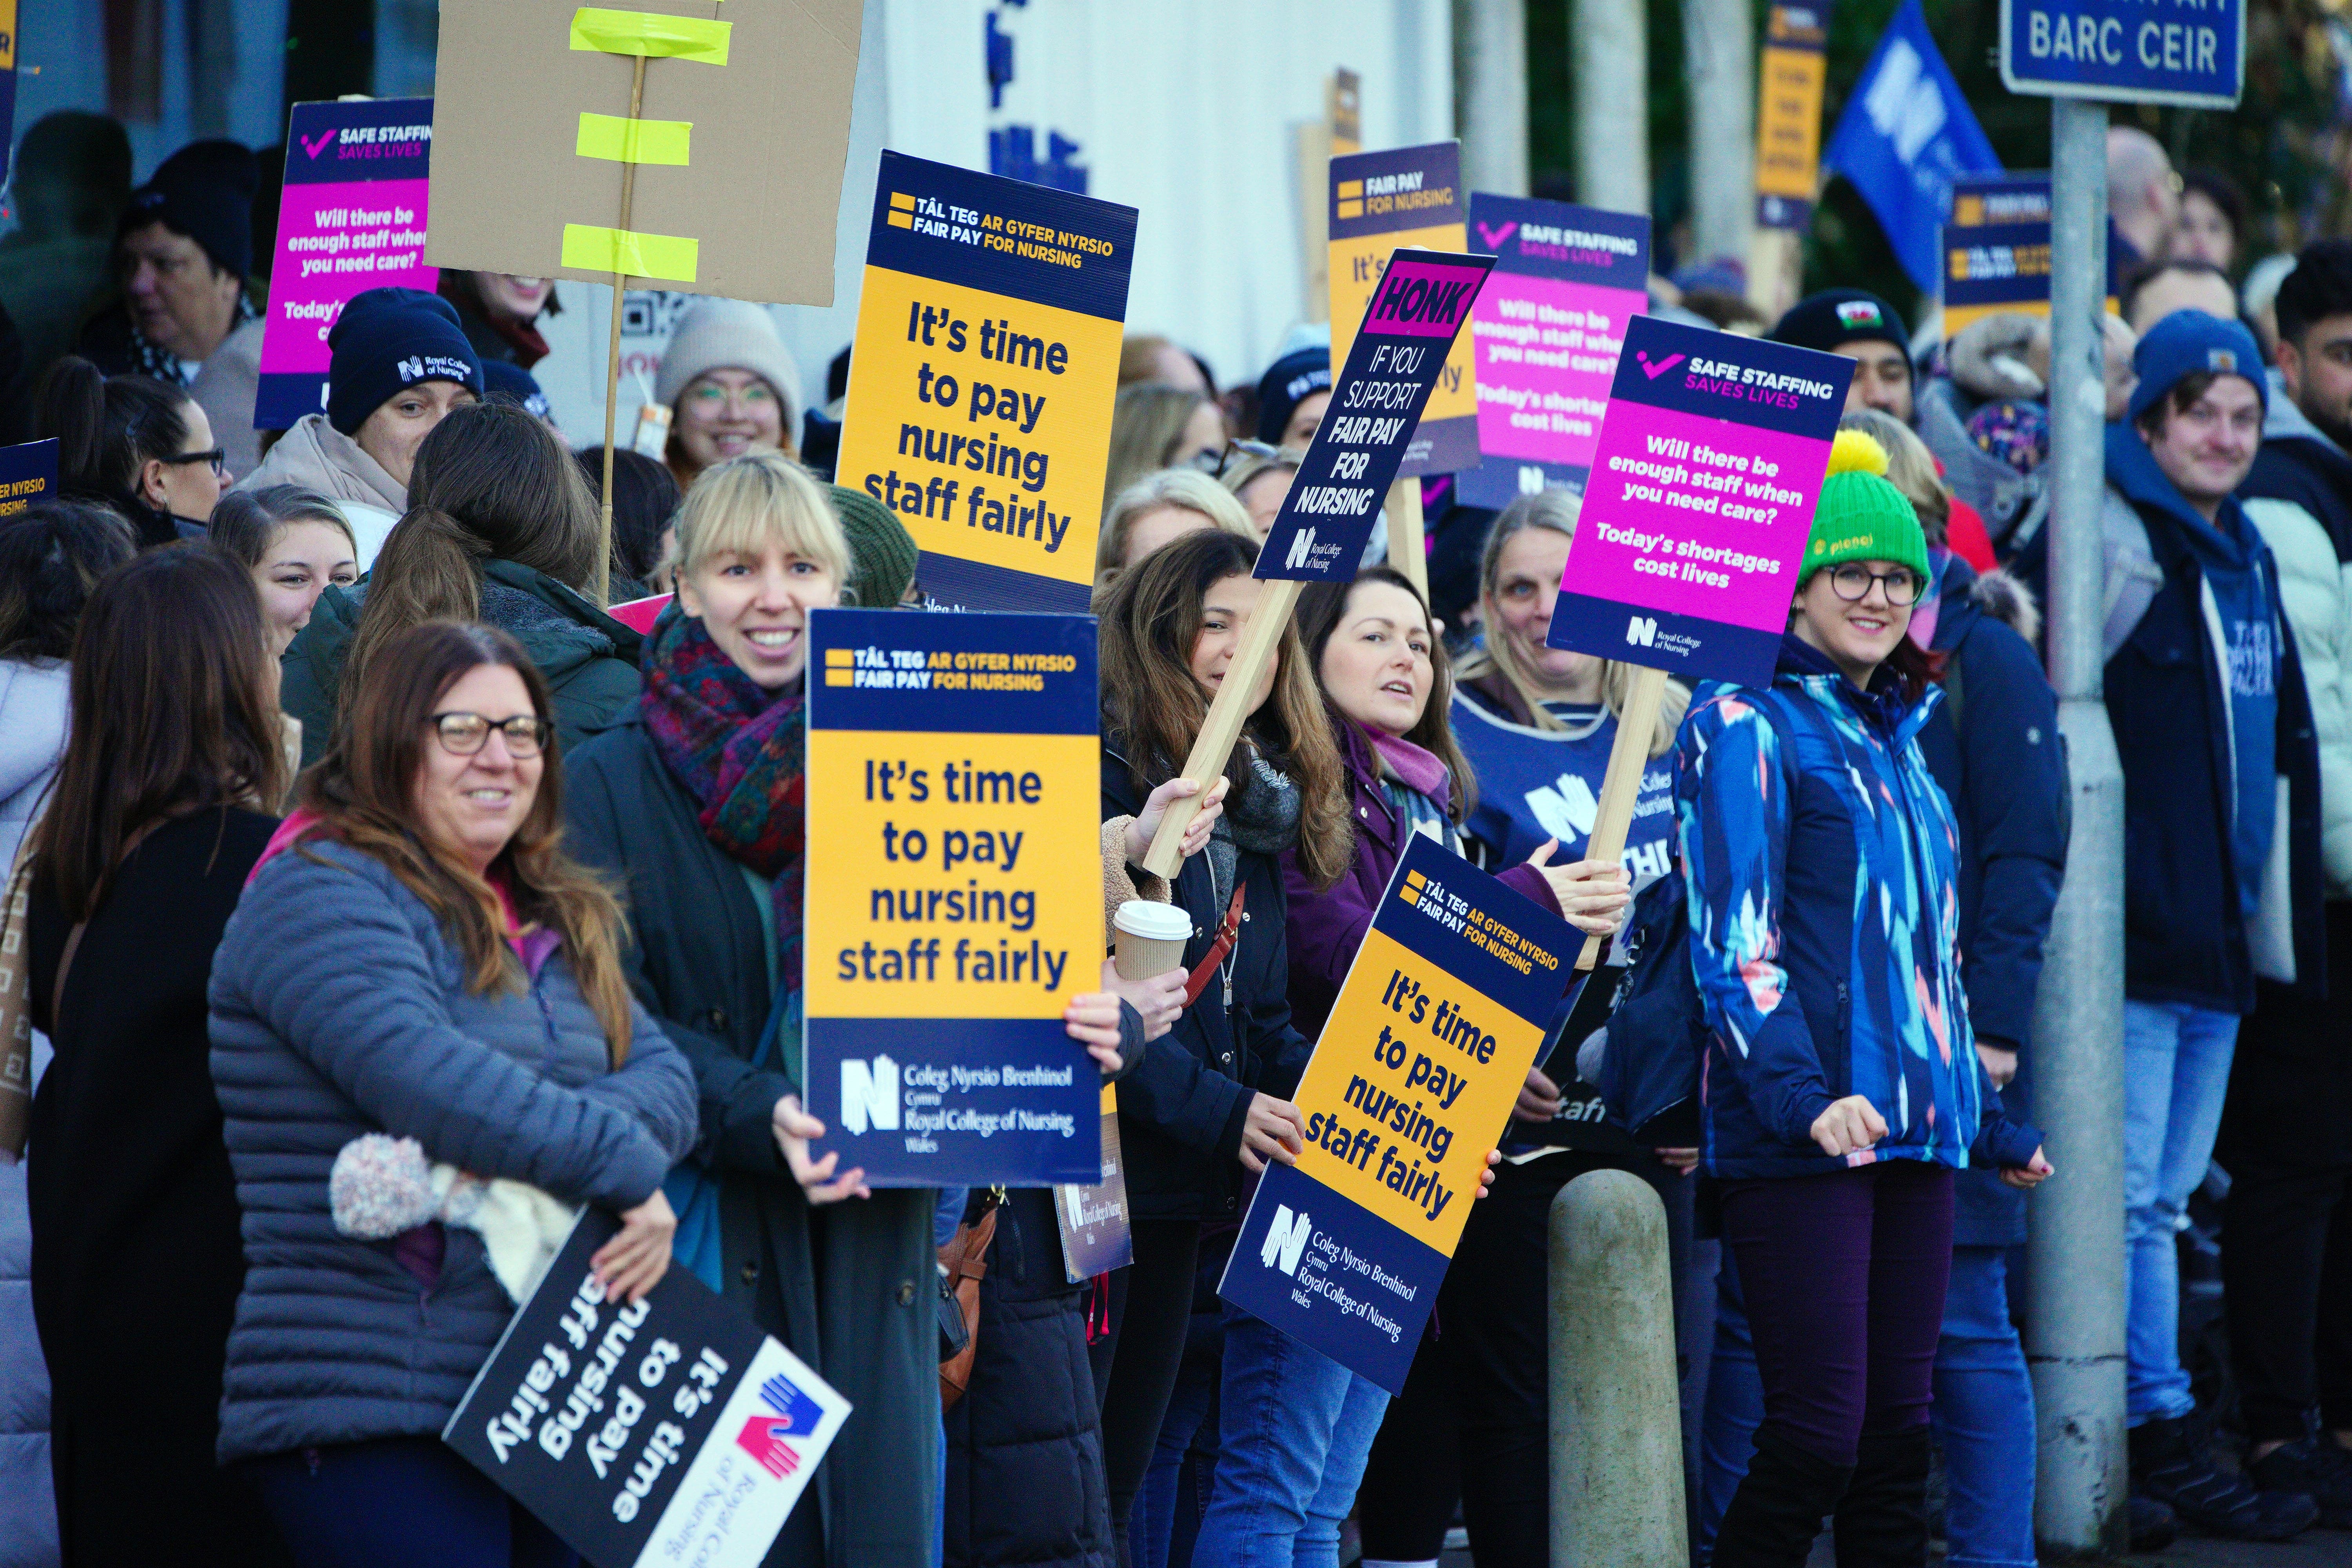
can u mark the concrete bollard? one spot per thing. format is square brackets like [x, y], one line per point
[1616, 1420]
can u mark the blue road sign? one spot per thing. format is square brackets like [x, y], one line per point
[2135, 51]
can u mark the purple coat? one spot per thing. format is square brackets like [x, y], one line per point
[1327, 927]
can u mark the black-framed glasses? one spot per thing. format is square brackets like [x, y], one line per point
[1217, 465]
[1851, 583]
[463, 734]
[217, 458]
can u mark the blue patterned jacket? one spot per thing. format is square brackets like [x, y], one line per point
[1822, 860]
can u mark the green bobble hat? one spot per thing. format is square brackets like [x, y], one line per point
[881, 551]
[1862, 515]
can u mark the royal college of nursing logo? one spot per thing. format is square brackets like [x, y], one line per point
[791, 1413]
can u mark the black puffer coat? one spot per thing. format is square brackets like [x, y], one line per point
[1025, 1483]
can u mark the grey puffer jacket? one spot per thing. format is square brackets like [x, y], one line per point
[339, 1008]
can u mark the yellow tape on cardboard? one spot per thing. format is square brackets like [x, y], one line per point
[649, 33]
[669, 257]
[626, 141]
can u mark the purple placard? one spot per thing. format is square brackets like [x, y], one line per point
[352, 219]
[1701, 494]
[1548, 326]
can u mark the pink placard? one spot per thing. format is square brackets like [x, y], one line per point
[335, 241]
[1547, 350]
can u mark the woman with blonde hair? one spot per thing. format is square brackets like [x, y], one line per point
[1154, 425]
[500, 530]
[1158, 508]
[1259, 477]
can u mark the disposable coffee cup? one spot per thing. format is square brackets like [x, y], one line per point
[1151, 937]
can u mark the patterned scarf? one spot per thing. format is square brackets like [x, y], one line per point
[741, 751]
[159, 364]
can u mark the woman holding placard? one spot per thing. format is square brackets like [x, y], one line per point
[1297, 1426]
[1208, 1104]
[1842, 1086]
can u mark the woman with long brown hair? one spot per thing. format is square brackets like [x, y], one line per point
[500, 529]
[166, 794]
[417, 956]
[1210, 1103]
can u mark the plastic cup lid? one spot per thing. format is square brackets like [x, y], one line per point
[1153, 922]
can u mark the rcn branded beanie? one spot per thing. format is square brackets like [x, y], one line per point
[2190, 342]
[1835, 316]
[1289, 381]
[1861, 517]
[881, 551]
[387, 338]
[204, 192]
[729, 334]
[508, 380]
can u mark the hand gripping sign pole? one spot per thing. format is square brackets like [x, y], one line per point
[1410, 324]
[724, 206]
[1701, 495]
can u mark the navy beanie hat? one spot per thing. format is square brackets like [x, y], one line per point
[504, 378]
[387, 338]
[2187, 342]
[1837, 316]
[205, 191]
[1289, 381]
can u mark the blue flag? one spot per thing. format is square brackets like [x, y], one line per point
[1906, 134]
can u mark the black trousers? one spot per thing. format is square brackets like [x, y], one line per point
[1475, 1420]
[1148, 1347]
[2286, 1243]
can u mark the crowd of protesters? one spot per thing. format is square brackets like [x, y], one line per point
[351, 789]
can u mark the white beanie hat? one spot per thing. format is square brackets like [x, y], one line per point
[729, 334]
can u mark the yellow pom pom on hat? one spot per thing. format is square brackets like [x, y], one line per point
[1862, 516]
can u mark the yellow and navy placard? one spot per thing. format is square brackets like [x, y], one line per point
[1410, 1084]
[1795, 68]
[1405, 198]
[982, 379]
[1997, 250]
[27, 473]
[954, 895]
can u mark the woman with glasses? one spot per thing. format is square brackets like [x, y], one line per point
[137, 445]
[416, 955]
[501, 531]
[730, 387]
[1842, 1088]
[1155, 426]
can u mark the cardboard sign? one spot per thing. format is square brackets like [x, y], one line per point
[665, 1433]
[1409, 1085]
[954, 895]
[1997, 250]
[8, 85]
[982, 379]
[353, 218]
[1794, 68]
[1702, 493]
[1396, 357]
[27, 473]
[1092, 1220]
[737, 144]
[1546, 330]
[1406, 198]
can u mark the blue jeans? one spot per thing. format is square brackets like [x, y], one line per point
[1983, 1415]
[2176, 1073]
[1161, 1509]
[1294, 1430]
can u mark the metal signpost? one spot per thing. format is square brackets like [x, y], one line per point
[2084, 55]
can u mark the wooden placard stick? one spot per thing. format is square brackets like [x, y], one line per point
[1227, 713]
[1621, 786]
[1408, 545]
[613, 351]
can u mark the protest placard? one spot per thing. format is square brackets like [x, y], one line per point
[1792, 70]
[1410, 1084]
[1997, 250]
[1695, 519]
[982, 379]
[7, 84]
[1546, 333]
[665, 1433]
[1402, 199]
[954, 895]
[27, 473]
[353, 218]
[1394, 359]
[1093, 1219]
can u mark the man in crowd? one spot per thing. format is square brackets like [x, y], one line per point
[2286, 1257]
[2158, 288]
[2143, 194]
[1866, 330]
[2206, 695]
